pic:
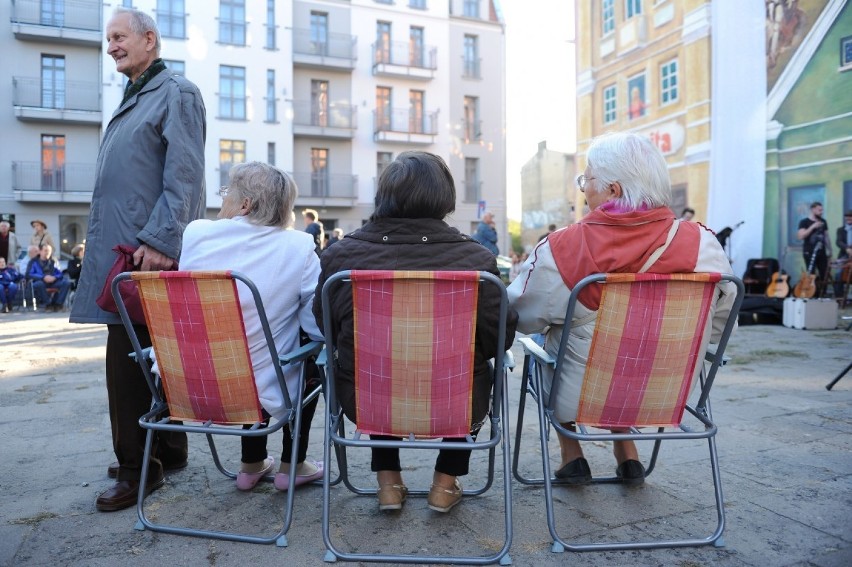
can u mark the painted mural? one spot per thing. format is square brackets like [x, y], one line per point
[787, 23]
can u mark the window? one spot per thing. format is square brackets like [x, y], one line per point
[319, 33]
[415, 46]
[471, 56]
[417, 115]
[52, 162]
[636, 105]
[230, 152]
[472, 129]
[319, 172]
[270, 153]
[232, 22]
[232, 92]
[383, 108]
[609, 104]
[471, 8]
[171, 18]
[52, 81]
[632, 8]
[668, 82]
[846, 52]
[127, 3]
[271, 101]
[383, 42]
[270, 24]
[175, 66]
[607, 16]
[383, 160]
[319, 103]
[72, 231]
[52, 12]
[417, 4]
[471, 180]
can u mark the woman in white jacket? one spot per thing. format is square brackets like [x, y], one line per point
[254, 237]
[627, 187]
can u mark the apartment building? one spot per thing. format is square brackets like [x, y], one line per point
[689, 74]
[329, 90]
[547, 193]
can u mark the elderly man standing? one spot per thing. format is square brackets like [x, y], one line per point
[149, 186]
[486, 233]
[9, 246]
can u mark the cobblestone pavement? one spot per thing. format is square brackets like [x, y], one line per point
[784, 443]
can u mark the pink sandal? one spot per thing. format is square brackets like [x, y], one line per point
[247, 481]
[282, 480]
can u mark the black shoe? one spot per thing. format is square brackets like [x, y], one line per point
[631, 472]
[576, 472]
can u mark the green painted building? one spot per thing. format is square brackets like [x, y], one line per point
[809, 131]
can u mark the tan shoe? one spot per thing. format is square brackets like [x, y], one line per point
[391, 496]
[443, 499]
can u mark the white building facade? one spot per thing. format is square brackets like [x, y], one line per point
[328, 90]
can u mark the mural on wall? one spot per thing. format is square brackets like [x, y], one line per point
[636, 106]
[787, 23]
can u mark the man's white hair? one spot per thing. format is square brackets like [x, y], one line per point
[140, 23]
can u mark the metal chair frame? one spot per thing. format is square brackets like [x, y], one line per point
[702, 428]
[158, 419]
[335, 435]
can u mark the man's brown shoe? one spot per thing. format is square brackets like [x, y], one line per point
[123, 494]
[112, 470]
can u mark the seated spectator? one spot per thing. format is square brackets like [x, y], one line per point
[44, 274]
[627, 187]
[407, 232]
[75, 264]
[9, 277]
[255, 220]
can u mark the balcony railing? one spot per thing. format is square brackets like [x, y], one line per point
[65, 95]
[472, 190]
[405, 122]
[336, 51]
[74, 22]
[471, 68]
[337, 115]
[70, 178]
[404, 59]
[323, 186]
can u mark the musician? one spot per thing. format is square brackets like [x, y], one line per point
[813, 230]
[844, 258]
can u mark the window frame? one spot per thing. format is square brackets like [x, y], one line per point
[230, 96]
[669, 75]
[632, 8]
[607, 17]
[168, 15]
[271, 99]
[231, 24]
[610, 104]
[232, 150]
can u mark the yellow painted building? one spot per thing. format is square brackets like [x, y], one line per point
[644, 66]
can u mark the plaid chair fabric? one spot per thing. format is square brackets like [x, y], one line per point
[644, 349]
[414, 344]
[205, 368]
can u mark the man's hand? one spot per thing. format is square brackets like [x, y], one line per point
[151, 260]
[49, 279]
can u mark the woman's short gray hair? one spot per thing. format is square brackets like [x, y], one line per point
[636, 164]
[140, 23]
[270, 191]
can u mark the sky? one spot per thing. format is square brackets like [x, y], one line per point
[540, 94]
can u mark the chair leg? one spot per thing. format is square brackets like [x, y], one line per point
[519, 426]
[837, 378]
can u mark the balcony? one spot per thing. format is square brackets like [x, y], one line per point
[338, 121]
[71, 183]
[400, 59]
[71, 102]
[326, 189]
[73, 22]
[405, 126]
[336, 52]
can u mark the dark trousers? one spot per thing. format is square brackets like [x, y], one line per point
[453, 463]
[42, 297]
[130, 398]
[254, 448]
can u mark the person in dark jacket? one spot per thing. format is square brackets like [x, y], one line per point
[9, 278]
[45, 274]
[407, 232]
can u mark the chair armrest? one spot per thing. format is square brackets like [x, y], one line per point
[322, 359]
[710, 354]
[311, 349]
[509, 360]
[532, 349]
[146, 352]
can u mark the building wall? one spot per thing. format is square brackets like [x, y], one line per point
[547, 187]
[809, 149]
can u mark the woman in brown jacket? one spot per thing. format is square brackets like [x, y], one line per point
[407, 232]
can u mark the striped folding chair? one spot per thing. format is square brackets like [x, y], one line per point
[204, 381]
[646, 346]
[413, 366]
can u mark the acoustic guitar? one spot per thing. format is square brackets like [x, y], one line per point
[778, 286]
[806, 286]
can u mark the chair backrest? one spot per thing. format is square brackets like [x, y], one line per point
[645, 347]
[414, 351]
[197, 331]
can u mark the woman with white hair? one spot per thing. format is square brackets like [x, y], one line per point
[626, 185]
[254, 236]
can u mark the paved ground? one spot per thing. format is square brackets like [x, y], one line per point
[784, 443]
